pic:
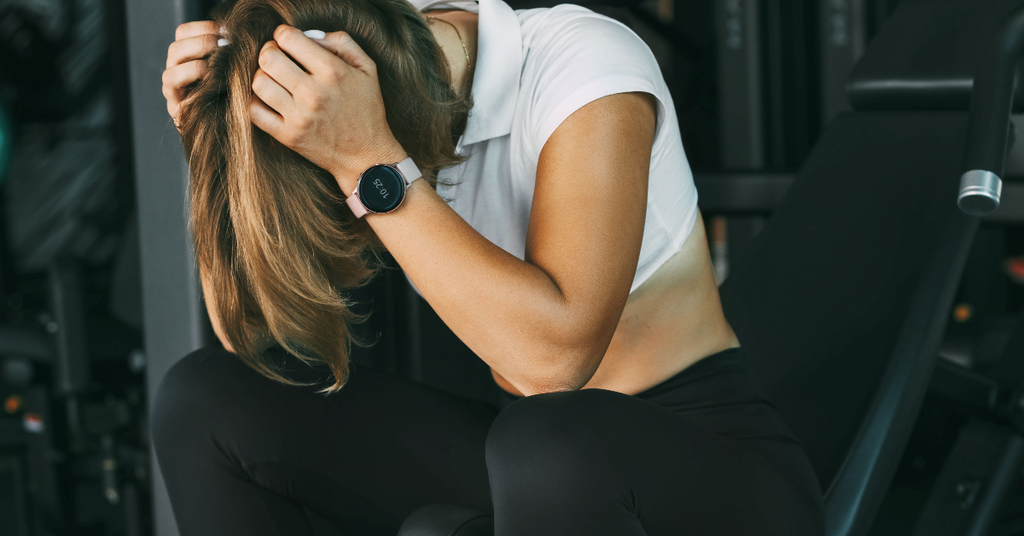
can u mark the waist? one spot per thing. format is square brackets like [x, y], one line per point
[713, 369]
[704, 375]
[719, 393]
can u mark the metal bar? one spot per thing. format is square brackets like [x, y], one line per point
[988, 129]
[172, 315]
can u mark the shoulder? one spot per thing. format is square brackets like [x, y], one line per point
[574, 33]
[573, 56]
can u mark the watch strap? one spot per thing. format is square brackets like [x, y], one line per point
[409, 170]
[356, 204]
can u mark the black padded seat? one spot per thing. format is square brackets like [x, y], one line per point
[926, 54]
[842, 300]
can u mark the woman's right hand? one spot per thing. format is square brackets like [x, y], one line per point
[194, 41]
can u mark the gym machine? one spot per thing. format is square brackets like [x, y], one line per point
[73, 427]
[843, 300]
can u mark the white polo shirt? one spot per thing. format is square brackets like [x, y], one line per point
[534, 68]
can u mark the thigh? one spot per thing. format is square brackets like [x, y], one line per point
[364, 457]
[597, 462]
[684, 475]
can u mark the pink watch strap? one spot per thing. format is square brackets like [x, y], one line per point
[356, 205]
[409, 171]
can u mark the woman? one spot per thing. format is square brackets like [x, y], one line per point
[562, 244]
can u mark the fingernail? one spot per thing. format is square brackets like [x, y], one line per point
[314, 34]
[221, 42]
[223, 30]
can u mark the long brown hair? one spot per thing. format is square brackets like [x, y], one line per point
[271, 230]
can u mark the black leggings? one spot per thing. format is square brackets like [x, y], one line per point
[700, 454]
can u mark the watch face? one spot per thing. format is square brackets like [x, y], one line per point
[381, 189]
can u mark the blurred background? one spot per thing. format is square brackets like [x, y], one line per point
[98, 293]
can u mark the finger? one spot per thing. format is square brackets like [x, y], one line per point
[179, 76]
[172, 100]
[271, 93]
[172, 103]
[190, 48]
[195, 28]
[280, 67]
[265, 118]
[313, 57]
[343, 46]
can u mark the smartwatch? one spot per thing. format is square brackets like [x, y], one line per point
[381, 188]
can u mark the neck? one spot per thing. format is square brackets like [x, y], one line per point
[451, 45]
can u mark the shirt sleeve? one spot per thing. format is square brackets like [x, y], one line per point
[575, 56]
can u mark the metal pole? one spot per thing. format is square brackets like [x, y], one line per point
[173, 319]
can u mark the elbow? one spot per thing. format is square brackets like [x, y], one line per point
[562, 370]
[540, 386]
[561, 354]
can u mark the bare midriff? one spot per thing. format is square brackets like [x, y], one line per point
[670, 322]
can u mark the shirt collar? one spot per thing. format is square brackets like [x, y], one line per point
[499, 64]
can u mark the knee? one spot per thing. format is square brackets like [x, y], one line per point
[549, 417]
[554, 439]
[188, 395]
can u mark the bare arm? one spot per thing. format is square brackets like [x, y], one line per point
[543, 323]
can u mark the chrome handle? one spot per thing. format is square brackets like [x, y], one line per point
[979, 192]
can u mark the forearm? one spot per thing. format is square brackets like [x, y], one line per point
[508, 311]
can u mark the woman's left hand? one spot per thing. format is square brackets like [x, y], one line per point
[322, 99]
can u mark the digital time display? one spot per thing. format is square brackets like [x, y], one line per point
[381, 189]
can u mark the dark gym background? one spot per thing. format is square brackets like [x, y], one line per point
[98, 293]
